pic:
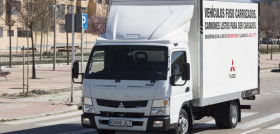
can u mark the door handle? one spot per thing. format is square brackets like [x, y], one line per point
[187, 90]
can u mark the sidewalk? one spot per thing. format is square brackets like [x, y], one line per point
[48, 80]
[24, 108]
[15, 108]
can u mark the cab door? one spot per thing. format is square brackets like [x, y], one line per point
[180, 89]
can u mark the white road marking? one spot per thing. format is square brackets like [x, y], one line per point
[79, 132]
[212, 122]
[249, 132]
[44, 118]
[258, 121]
[67, 121]
[266, 93]
[274, 127]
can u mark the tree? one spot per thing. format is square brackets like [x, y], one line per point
[12, 7]
[44, 22]
[270, 20]
[97, 23]
[31, 16]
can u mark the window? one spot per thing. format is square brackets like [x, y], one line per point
[177, 60]
[98, 1]
[1, 7]
[16, 6]
[22, 33]
[98, 62]
[61, 28]
[101, 1]
[128, 63]
[70, 9]
[62, 12]
[10, 33]
[81, 10]
[1, 32]
[29, 6]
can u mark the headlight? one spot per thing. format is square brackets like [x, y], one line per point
[161, 103]
[157, 111]
[86, 101]
[88, 109]
[160, 107]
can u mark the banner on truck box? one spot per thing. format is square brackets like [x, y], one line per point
[230, 47]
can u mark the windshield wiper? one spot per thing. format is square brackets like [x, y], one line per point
[137, 76]
[160, 73]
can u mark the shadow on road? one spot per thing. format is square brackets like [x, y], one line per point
[276, 70]
[55, 129]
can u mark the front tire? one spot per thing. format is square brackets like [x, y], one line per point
[183, 125]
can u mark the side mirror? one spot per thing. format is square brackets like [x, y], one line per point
[186, 73]
[172, 80]
[75, 70]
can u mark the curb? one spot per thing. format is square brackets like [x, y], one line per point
[69, 109]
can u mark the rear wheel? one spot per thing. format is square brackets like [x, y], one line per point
[227, 115]
[99, 131]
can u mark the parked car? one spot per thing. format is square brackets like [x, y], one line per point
[266, 41]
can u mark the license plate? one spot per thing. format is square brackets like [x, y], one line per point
[120, 123]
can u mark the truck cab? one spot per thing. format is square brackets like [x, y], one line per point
[130, 87]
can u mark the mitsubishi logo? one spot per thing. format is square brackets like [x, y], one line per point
[121, 105]
[232, 69]
[232, 74]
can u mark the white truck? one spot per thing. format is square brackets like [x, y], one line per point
[164, 63]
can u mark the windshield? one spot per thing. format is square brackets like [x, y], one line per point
[128, 62]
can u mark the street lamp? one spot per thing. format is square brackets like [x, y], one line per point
[54, 41]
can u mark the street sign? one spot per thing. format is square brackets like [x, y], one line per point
[84, 21]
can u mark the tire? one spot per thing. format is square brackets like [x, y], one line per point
[231, 119]
[183, 125]
[99, 131]
[227, 115]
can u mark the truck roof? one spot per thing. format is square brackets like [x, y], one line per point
[148, 23]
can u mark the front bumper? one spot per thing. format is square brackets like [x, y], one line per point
[139, 124]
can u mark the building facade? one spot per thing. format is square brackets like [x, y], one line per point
[19, 33]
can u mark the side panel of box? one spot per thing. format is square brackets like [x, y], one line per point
[230, 50]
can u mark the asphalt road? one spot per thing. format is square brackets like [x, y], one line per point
[264, 117]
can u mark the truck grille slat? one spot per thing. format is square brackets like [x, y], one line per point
[125, 104]
[121, 114]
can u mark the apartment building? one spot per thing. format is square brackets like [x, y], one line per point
[19, 34]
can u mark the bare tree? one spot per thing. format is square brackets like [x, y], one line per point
[266, 16]
[44, 22]
[31, 16]
[12, 7]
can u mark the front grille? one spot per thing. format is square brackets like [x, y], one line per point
[121, 114]
[123, 104]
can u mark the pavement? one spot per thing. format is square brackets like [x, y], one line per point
[17, 108]
[262, 118]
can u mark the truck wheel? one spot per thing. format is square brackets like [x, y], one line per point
[227, 115]
[232, 118]
[99, 131]
[183, 125]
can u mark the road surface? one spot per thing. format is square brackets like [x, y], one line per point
[264, 117]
